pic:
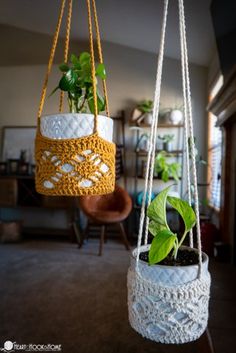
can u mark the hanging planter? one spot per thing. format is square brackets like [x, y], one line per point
[168, 283]
[74, 151]
[167, 302]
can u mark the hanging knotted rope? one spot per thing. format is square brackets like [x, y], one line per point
[189, 137]
[66, 50]
[51, 58]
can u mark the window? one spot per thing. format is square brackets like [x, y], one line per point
[214, 153]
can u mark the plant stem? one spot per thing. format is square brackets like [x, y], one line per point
[83, 102]
[176, 248]
[182, 239]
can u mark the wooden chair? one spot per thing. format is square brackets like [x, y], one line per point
[105, 210]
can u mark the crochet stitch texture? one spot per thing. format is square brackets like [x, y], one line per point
[74, 167]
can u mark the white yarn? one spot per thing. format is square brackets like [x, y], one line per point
[186, 129]
[168, 314]
[153, 135]
[188, 132]
[191, 137]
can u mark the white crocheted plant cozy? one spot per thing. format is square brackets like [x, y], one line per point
[164, 313]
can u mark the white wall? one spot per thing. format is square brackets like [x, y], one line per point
[131, 77]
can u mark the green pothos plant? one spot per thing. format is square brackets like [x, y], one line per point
[145, 106]
[166, 242]
[165, 169]
[77, 81]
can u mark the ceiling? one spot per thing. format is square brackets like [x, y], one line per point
[134, 23]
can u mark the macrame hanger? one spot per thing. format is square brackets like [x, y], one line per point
[188, 125]
[100, 55]
[50, 62]
[153, 134]
[156, 108]
[93, 69]
[191, 134]
[66, 50]
[186, 128]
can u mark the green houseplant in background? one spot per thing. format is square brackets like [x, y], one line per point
[166, 170]
[76, 80]
[167, 141]
[146, 107]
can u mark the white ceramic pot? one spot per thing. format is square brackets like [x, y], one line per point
[148, 118]
[168, 146]
[176, 117]
[168, 304]
[71, 125]
[168, 275]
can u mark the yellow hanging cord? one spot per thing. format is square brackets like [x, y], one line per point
[52, 54]
[100, 54]
[92, 66]
[66, 50]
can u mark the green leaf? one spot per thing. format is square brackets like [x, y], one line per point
[165, 175]
[154, 228]
[100, 71]
[75, 60]
[161, 246]
[174, 169]
[91, 103]
[185, 211]
[64, 67]
[100, 102]
[157, 209]
[84, 59]
[68, 81]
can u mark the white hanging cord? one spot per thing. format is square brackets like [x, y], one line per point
[186, 128]
[151, 152]
[191, 137]
[156, 109]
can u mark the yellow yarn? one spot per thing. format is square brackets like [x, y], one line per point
[90, 159]
[85, 157]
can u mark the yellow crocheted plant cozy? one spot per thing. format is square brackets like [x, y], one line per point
[74, 167]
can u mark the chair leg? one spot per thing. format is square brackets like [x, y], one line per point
[86, 231]
[103, 229]
[78, 234]
[123, 235]
[105, 235]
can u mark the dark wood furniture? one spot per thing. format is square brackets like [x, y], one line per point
[18, 192]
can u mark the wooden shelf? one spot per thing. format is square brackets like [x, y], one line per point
[172, 153]
[162, 125]
[157, 178]
[138, 207]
